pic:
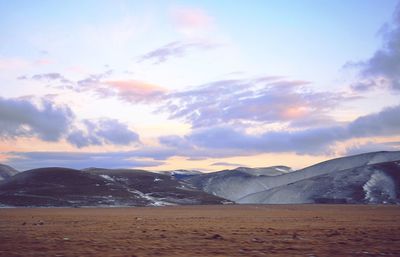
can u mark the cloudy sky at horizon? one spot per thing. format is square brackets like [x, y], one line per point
[205, 85]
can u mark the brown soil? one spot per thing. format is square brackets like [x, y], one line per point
[236, 230]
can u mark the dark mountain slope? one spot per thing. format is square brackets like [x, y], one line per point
[98, 187]
[6, 171]
[64, 187]
[162, 188]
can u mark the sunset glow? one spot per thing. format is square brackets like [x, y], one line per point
[206, 85]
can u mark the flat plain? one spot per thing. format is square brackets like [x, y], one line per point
[220, 230]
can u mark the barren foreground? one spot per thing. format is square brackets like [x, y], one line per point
[236, 230]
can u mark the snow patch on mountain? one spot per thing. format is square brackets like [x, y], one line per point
[380, 188]
[107, 177]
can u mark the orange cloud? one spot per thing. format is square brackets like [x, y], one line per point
[136, 91]
[295, 112]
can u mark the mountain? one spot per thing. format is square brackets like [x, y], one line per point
[359, 179]
[268, 171]
[237, 183]
[97, 187]
[243, 187]
[163, 189]
[182, 174]
[6, 172]
[376, 183]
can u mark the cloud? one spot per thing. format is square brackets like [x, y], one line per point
[48, 76]
[156, 152]
[174, 141]
[174, 50]
[92, 81]
[382, 70]
[43, 61]
[101, 132]
[132, 91]
[42, 118]
[263, 100]
[76, 160]
[51, 77]
[372, 147]
[14, 63]
[311, 141]
[22, 77]
[212, 142]
[226, 141]
[189, 19]
[226, 164]
[383, 123]
[21, 117]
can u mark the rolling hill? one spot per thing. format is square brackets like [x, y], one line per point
[371, 178]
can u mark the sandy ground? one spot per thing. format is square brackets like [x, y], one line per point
[236, 230]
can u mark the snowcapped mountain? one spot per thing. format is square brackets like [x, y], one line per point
[365, 178]
[243, 187]
[374, 183]
[237, 183]
[6, 171]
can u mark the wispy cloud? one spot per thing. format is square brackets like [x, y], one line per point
[48, 76]
[55, 79]
[133, 91]
[265, 100]
[92, 81]
[128, 90]
[175, 49]
[52, 76]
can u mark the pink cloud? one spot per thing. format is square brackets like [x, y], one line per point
[189, 18]
[135, 91]
[295, 112]
[77, 69]
[14, 64]
[43, 61]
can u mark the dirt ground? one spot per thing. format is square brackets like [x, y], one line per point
[234, 230]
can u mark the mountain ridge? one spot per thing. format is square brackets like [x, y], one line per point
[364, 178]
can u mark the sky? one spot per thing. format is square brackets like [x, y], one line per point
[204, 85]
